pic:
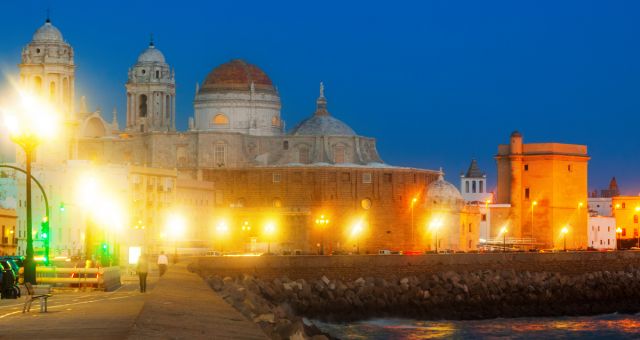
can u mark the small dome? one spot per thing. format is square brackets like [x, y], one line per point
[237, 75]
[151, 55]
[516, 134]
[47, 33]
[442, 190]
[322, 126]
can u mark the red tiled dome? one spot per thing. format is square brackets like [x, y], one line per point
[237, 75]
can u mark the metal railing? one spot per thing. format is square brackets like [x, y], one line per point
[106, 278]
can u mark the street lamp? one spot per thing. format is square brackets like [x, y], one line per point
[322, 223]
[564, 232]
[176, 226]
[356, 230]
[618, 233]
[435, 226]
[413, 203]
[504, 231]
[221, 229]
[30, 123]
[246, 228]
[269, 229]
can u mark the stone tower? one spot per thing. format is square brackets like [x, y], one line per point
[151, 93]
[47, 68]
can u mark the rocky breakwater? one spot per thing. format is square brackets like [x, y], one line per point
[450, 295]
[275, 316]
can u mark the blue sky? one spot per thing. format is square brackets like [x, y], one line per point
[436, 82]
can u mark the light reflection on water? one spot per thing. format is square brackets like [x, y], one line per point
[610, 326]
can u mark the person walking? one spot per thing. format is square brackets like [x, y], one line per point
[163, 262]
[142, 269]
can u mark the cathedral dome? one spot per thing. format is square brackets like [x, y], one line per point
[151, 55]
[237, 75]
[322, 123]
[322, 126]
[47, 33]
[443, 191]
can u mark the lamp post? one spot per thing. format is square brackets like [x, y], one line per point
[356, 230]
[435, 225]
[246, 228]
[618, 233]
[221, 229]
[564, 232]
[504, 231]
[413, 203]
[322, 223]
[269, 229]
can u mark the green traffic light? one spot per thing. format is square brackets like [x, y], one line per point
[62, 206]
[44, 235]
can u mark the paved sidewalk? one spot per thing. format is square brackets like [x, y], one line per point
[74, 315]
[182, 306]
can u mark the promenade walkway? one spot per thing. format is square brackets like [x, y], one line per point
[180, 305]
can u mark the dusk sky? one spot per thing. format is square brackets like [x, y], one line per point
[436, 82]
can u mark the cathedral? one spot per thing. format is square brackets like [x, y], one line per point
[237, 161]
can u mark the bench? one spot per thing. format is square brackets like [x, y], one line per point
[31, 296]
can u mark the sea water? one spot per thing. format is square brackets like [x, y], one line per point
[610, 326]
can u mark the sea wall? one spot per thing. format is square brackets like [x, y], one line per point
[393, 266]
[277, 289]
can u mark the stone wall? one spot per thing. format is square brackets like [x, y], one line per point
[393, 266]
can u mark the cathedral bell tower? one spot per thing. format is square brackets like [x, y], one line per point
[47, 70]
[151, 93]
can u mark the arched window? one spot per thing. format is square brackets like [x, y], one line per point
[142, 109]
[473, 187]
[220, 119]
[52, 91]
[275, 121]
[338, 154]
[168, 107]
[303, 155]
[37, 85]
[481, 187]
[220, 154]
[466, 186]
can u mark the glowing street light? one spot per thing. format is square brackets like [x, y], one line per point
[322, 223]
[356, 231]
[564, 231]
[435, 225]
[618, 235]
[222, 228]
[504, 232]
[269, 230]
[30, 122]
[176, 227]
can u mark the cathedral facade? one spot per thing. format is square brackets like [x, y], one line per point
[236, 161]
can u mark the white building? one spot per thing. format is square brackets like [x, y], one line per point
[602, 232]
[473, 185]
[601, 206]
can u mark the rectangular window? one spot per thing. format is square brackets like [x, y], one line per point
[276, 177]
[526, 167]
[387, 178]
[608, 241]
[569, 167]
[635, 218]
[526, 193]
[466, 186]
[481, 189]
[624, 231]
[598, 228]
[366, 177]
[635, 232]
[484, 217]
[469, 227]
[624, 205]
